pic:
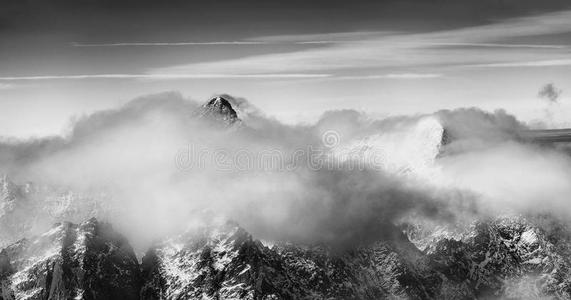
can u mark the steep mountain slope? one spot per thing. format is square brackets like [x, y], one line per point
[507, 257]
[85, 261]
[219, 110]
[214, 263]
[510, 257]
[27, 209]
[226, 263]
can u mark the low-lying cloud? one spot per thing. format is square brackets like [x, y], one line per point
[131, 154]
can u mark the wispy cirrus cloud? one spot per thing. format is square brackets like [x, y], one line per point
[500, 45]
[355, 55]
[163, 76]
[215, 76]
[301, 39]
[411, 76]
[431, 52]
[536, 63]
[135, 44]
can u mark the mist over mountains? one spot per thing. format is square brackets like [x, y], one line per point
[452, 205]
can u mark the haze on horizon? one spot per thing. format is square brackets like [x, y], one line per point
[64, 59]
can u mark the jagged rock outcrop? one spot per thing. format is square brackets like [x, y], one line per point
[379, 271]
[85, 261]
[26, 209]
[214, 263]
[226, 263]
[220, 110]
[510, 257]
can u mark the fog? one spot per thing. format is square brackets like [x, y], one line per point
[345, 180]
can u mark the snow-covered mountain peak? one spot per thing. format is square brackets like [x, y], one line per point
[220, 109]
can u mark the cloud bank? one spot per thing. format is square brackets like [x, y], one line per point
[131, 153]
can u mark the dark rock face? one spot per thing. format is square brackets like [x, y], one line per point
[27, 208]
[503, 258]
[220, 110]
[374, 272]
[508, 257]
[85, 261]
[214, 263]
[226, 263]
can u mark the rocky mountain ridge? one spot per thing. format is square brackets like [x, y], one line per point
[84, 261]
[28, 208]
[506, 258]
[220, 110]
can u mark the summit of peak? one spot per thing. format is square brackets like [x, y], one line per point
[219, 101]
[220, 108]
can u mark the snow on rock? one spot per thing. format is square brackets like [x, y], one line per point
[227, 263]
[495, 255]
[408, 150]
[220, 111]
[208, 263]
[528, 237]
[504, 257]
[27, 209]
[489, 258]
[85, 261]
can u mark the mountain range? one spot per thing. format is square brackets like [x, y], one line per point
[509, 256]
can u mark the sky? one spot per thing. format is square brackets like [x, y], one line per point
[61, 59]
